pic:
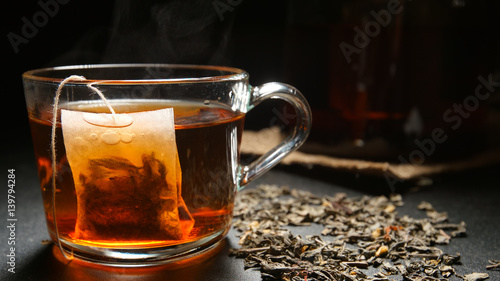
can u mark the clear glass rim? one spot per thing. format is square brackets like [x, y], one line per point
[234, 74]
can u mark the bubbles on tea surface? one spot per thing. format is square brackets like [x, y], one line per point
[93, 136]
[206, 102]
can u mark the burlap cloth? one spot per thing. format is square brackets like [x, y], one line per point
[258, 143]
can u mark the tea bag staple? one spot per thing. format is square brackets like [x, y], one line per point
[127, 175]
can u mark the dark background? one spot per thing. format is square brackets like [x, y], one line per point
[83, 32]
[444, 48]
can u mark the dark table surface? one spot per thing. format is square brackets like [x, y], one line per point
[471, 196]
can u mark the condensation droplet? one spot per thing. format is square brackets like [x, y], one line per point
[79, 146]
[93, 136]
[127, 138]
[110, 137]
[206, 102]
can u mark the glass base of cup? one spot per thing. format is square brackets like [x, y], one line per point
[124, 257]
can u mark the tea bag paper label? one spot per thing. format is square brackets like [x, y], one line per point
[127, 175]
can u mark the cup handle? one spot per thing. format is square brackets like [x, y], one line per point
[299, 134]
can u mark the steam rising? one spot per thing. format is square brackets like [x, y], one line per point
[172, 31]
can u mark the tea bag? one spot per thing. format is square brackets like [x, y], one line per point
[127, 175]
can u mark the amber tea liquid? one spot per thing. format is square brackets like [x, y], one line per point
[208, 137]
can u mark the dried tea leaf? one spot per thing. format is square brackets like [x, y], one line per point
[475, 276]
[426, 206]
[382, 251]
[494, 264]
[450, 259]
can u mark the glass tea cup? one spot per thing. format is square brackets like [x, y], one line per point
[139, 163]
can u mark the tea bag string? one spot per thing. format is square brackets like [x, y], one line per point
[72, 78]
[101, 95]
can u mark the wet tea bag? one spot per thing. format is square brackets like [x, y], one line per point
[127, 175]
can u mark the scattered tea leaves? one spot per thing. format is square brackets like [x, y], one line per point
[367, 235]
[494, 264]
